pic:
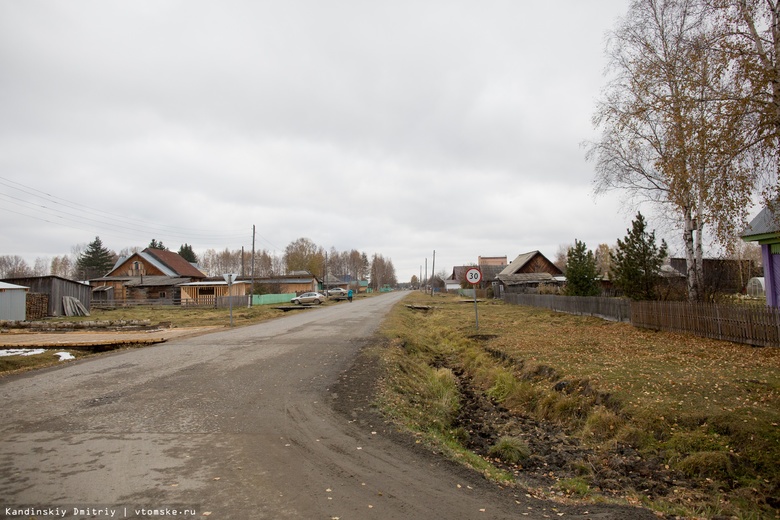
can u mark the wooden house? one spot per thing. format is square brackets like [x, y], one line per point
[152, 274]
[526, 272]
[765, 229]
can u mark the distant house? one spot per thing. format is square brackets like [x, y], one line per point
[55, 288]
[296, 282]
[332, 282]
[489, 266]
[526, 272]
[765, 229]
[453, 282]
[492, 260]
[152, 274]
[721, 276]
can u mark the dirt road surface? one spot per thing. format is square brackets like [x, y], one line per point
[267, 421]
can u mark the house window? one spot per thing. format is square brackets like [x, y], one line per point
[206, 291]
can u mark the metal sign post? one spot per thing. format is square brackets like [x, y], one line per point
[474, 276]
[229, 278]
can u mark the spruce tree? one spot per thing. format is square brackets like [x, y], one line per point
[154, 244]
[95, 261]
[636, 262]
[186, 252]
[581, 271]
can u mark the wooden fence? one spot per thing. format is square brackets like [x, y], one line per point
[752, 325]
[615, 309]
[748, 324]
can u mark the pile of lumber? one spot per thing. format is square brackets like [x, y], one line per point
[73, 307]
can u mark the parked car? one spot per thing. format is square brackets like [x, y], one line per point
[337, 291]
[309, 297]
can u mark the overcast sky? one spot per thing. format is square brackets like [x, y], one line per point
[396, 128]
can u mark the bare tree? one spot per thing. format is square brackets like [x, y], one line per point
[63, 266]
[562, 256]
[41, 267]
[603, 263]
[14, 266]
[382, 272]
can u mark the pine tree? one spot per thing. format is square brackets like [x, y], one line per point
[95, 261]
[637, 260]
[154, 244]
[186, 252]
[581, 271]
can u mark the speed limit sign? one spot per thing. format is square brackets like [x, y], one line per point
[473, 276]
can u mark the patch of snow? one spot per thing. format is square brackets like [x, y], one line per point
[21, 351]
[64, 356]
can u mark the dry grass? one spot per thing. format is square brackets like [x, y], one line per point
[709, 410]
[182, 317]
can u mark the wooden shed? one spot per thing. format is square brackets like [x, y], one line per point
[56, 288]
[13, 302]
[212, 292]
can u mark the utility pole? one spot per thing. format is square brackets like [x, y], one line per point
[433, 269]
[252, 289]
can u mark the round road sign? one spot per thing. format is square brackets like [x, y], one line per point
[473, 275]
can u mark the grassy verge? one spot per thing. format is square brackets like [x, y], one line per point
[178, 316]
[685, 425]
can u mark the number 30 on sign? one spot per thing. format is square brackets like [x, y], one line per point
[473, 275]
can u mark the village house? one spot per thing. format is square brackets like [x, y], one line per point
[152, 274]
[526, 272]
[765, 229]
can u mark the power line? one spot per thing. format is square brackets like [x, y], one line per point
[103, 216]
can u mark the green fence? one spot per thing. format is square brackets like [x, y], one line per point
[270, 299]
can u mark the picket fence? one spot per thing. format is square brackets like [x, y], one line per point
[753, 325]
[748, 324]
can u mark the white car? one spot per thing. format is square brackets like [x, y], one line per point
[309, 297]
[337, 291]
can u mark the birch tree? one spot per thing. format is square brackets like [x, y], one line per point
[670, 126]
[752, 41]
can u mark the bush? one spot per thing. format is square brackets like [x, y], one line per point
[510, 450]
[602, 424]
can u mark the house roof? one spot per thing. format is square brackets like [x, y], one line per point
[518, 263]
[167, 262]
[175, 262]
[765, 223]
[490, 272]
[6, 286]
[212, 283]
[333, 280]
[285, 279]
[459, 272]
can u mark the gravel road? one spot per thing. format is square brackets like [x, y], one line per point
[265, 421]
